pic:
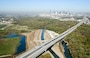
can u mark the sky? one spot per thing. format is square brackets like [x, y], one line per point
[44, 5]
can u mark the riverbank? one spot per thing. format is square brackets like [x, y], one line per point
[32, 39]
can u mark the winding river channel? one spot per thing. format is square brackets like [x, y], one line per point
[22, 45]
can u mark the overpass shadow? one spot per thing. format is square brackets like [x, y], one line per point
[53, 53]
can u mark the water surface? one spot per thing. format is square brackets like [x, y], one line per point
[67, 52]
[22, 44]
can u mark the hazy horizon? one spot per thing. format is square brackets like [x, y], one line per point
[44, 5]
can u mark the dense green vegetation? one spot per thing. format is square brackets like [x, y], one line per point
[79, 42]
[8, 46]
[50, 24]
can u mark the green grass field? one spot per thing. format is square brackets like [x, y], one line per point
[8, 46]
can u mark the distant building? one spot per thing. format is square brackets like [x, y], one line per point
[6, 22]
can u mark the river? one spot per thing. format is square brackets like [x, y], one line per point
[67, 52]
[22, 45]
[42, 35]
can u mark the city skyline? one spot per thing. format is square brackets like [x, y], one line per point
[44, 5]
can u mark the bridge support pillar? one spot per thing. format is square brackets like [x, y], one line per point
[53, 53]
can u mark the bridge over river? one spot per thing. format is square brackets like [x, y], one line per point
[48, 44]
